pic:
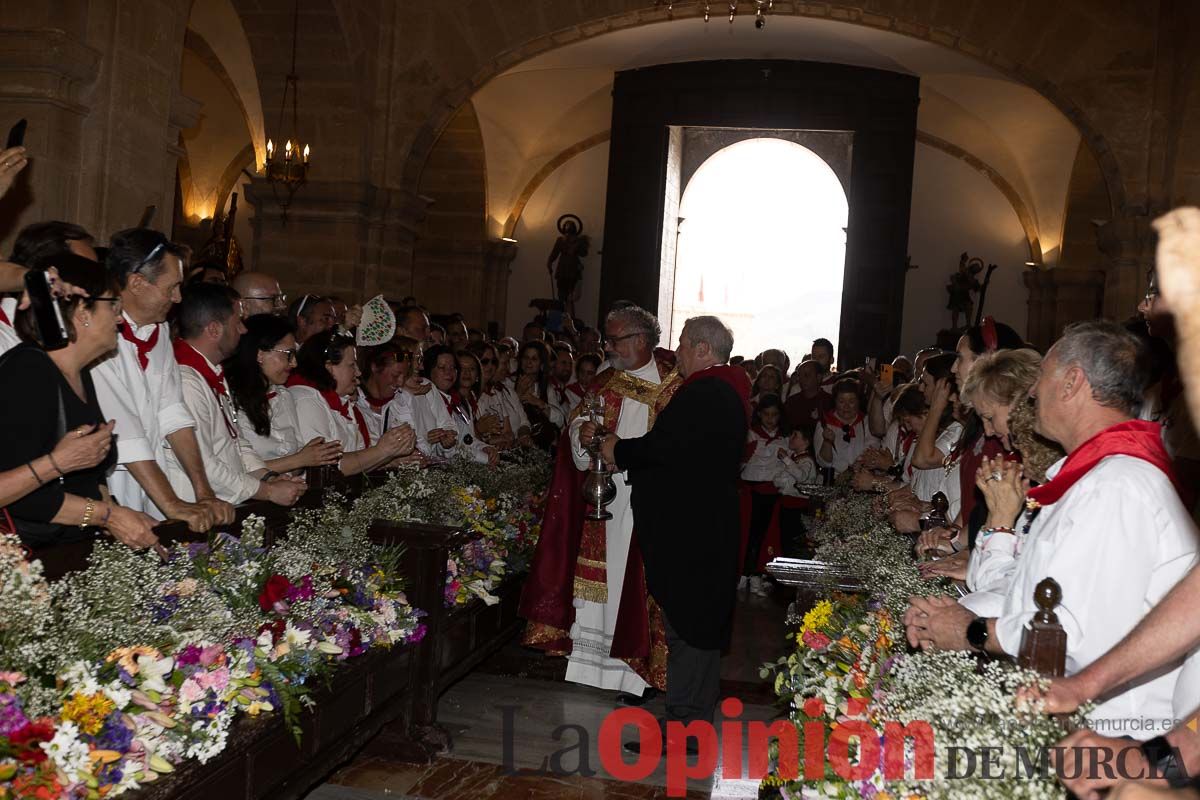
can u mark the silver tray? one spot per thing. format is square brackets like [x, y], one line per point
[819, 575]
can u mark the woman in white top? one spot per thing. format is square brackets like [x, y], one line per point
[324, 385]
[381, 398]
[256, 373]
[939, 432]
[496, 398]
[843, 433]
[442, 417]
[532, 385]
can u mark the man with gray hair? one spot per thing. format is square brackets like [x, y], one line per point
[684, 473]
[572, 602]
[1108, 526]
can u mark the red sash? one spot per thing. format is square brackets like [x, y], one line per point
[143, 348]
[188, 356]
[343, 407]
[1132, 438]
[376, 402]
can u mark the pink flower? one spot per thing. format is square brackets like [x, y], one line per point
[191, 691]
[216, 680]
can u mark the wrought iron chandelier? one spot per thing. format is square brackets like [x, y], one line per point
[291, 171]
[760, 7]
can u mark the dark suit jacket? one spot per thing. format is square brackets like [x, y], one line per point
[685, 507]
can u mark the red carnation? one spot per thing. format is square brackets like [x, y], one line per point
[25, 740]
[816, 640]
[275, 591]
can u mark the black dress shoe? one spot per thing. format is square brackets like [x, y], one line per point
[692, 748]
[627, 699]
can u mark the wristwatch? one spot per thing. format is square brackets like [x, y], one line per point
[977, 633]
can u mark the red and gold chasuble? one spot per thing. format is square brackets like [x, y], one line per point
[571, 558]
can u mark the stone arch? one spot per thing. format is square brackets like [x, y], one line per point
[453, 97]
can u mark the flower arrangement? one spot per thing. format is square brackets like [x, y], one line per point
[850, 665]
[115, 675]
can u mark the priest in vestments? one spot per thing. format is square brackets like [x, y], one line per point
[685, 498]
[586, 593]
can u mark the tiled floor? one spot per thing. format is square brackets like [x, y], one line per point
[521, 733]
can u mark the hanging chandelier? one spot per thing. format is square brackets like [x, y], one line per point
[290, 171]
[760, 7]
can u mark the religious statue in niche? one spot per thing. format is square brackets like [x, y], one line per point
[963, 286]
[565, 264]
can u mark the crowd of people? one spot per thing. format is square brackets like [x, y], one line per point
[180, 393]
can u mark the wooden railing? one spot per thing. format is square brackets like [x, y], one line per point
[393, 691]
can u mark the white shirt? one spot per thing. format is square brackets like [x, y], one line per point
[228, 459]
[792, 472]
[147, 406]
[8, 334]
[396, 412]
[468, 445]
[928, 482]
[763, 463]
[284, 438]
[316, 418]
[844, 453]
[1116, 543]
[502, 401]
[632, 421]
[429, 413]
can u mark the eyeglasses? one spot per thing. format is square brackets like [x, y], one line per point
[276, 299]
[288, 353]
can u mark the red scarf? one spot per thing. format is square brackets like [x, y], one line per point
[188, 356]
[576, 388]
[4, 318]
[1133, 438]
[752, 444]
[906, 444]
[831, 419]
[376, 402]
[735, 377]
[143, 348]
[343, 407]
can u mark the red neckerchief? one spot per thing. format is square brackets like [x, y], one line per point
[906, 444]
[735, 377]
[831, 419]
[4, 318]
[762, 432]
[143, 348]
[752, 444]
[1135, 438]
[188, 356]
[376, 402]
[576, 388]
[340, 405]
[271, 395]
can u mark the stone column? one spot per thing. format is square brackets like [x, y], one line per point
[497, 267]
[1058, 297]
[1128, 246]
[340, 237]
[43, 75]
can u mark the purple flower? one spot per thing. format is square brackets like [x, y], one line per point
[114, 735]
[302, 592]
[12, 717]
[188, 655]
[418, 634]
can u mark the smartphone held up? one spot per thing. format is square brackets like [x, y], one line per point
[46, 311]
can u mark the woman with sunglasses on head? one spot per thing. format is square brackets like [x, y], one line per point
[53, 429]
[843, 434]
[324, 385]
[498, 399]
[381, 399]
[256, 374]
[443, 418]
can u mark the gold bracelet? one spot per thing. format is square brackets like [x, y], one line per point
[89, 508]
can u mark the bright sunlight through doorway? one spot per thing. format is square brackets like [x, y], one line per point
[762, 245]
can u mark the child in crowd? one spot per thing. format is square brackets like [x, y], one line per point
[764, 444]
[796, 468]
